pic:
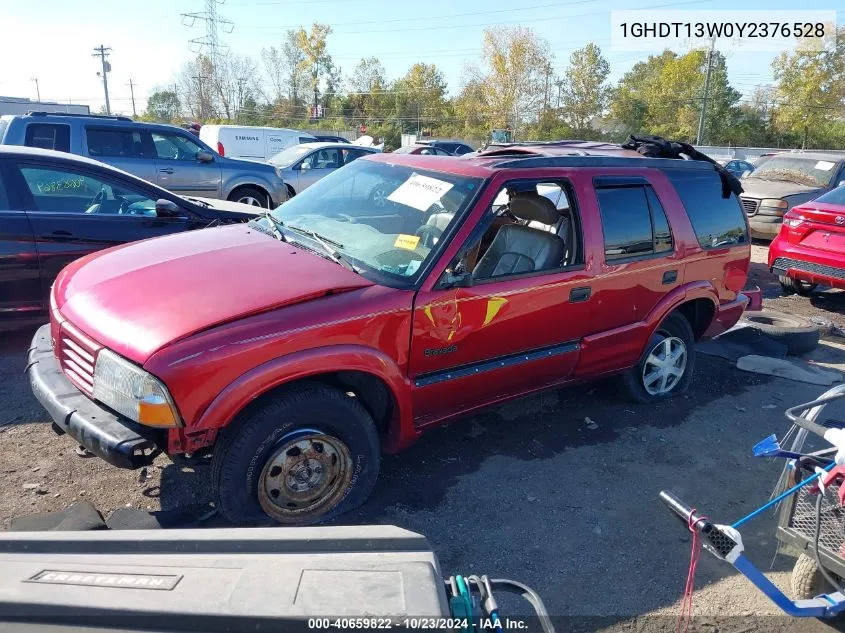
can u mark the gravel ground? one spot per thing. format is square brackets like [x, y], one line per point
[527, 490]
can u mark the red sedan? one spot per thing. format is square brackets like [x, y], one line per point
[810, 248]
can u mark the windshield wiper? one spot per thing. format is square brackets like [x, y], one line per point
[325, 242]
[277, 225]
[198, 201]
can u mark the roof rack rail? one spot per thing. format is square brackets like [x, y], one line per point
[113, 117]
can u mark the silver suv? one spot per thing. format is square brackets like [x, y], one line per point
[166, 155]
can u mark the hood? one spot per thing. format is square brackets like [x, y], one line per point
[137, 298]
[759, 188]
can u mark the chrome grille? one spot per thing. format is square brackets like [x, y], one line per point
[77, 354]
[749, 205]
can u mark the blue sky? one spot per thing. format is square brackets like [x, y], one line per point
[53, 39]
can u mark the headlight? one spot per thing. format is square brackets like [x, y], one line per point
[773, 206]
[132, 392]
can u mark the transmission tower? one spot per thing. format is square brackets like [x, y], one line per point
[210, 43]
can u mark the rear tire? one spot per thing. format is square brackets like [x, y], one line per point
[667, 364]
[306, 456]
[796, 286]
[251, 196]
[800, 335]
[807, 580]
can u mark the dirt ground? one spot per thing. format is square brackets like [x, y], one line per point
[528, 490]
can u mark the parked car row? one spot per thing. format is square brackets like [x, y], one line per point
[166, 155]
[298, 346]
[56, 207]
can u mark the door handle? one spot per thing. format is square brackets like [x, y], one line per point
[166, 170]
[577, 295]
[58, 236]
[670, 276]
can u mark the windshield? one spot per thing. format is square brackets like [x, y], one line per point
[801, 170]
[380, 217]
[288, 157]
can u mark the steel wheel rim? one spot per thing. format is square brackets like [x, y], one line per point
[664, 366]
[307, 474]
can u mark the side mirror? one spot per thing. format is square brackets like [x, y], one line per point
[167, 209]
[305, 166]
[205, 157]
[841, 183]
[455, 280]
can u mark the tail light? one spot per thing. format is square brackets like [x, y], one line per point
[793, 219]
[220, 149]
[796, 225]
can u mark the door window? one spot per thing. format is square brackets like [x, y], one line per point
[48, 136]
[351, 154]
[175, 147]
[516, 240]
[116, 143]
[67, 191]
[324, 159]
[634, 222]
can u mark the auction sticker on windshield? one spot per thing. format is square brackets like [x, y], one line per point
[420, 192]
[408, 242]
[824, 165]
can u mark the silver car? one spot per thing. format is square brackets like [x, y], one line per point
[303, 165]
[166, 155]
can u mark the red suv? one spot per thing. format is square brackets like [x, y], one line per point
[810, 248]
[396, 294]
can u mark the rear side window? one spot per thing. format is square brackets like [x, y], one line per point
[48, 136]
[718, 222]
[626, 221]
[115, 143]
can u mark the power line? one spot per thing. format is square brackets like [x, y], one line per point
[434, 17]
[487, 24]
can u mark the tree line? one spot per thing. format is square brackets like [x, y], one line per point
[513, 87]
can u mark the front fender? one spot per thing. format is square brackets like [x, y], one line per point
[269, 182]
[313, 362]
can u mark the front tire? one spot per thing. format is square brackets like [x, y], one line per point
[251, 196]
[306, 456]
[666, 367]
[807, 580]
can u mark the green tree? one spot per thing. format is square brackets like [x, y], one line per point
[810, 91]
[285, 69]
[316, 60]
[162, 105]
[420, 97]
[367, 84]
[584, 89]
[513, 75]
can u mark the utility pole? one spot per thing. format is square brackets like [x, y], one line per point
[199, 79]
[700, 136]
[131, 85]
[37, 89]
[241, 82]
[102, 52]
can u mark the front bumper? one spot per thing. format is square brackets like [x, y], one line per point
[765, 227]
[118, 440]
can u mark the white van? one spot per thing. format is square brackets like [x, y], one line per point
[251, 142]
